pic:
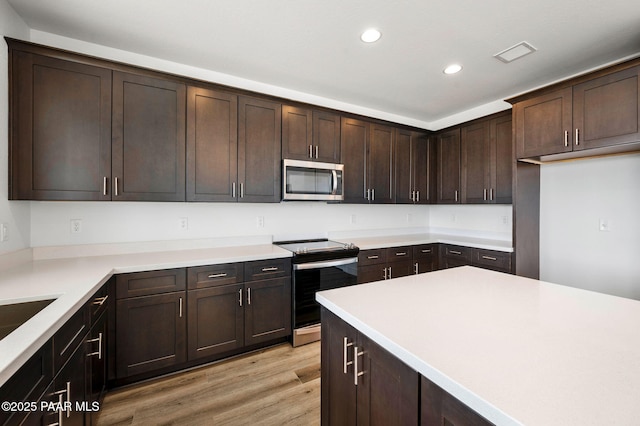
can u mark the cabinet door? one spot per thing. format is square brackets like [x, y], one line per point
[449, 167]
[212, 145]
[353, 145]
[338, 393]
[405, 167]
[96, 364]
[606, 110]
[326, 136]
[148, 138]
[440, 408]
[297, 133]
[267, 310]
[475, 163]
[502, 161]
[69, 384]
[543, 124]
[61, 129]
[370, 273]
[400, 268]
[380, 164]
[423, 163]
[388, 389]
[150, 333]
[259, 150]
[216, 320]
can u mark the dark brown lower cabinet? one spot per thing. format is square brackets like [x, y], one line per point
[268, 310]
[425, 258]
[438, 408]
[150, 333]
[362, 383]
[96, 365]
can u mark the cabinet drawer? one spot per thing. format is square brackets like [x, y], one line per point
[67, 339]
[425, 251]
[399, 253]
[215, 275]
[267, 269]
[372, 257]
[491, 259]
[456, 252]
[147, 283]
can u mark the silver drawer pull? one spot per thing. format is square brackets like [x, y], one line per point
[426, 251]
[373, 257]
[455, 252]
[99, 340]
[356, 373]
[489, 258]
[220, 275]
[100, 300]
[401, 253]
[270, 269]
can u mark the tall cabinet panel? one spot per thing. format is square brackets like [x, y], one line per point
[449, 167]
[413, 167]
[502, 166]
[259, 150]
[60, 138]
[380, 164]
[326, 136]
[354, 137]
[475, 163]
[148, 138]
[212, 145]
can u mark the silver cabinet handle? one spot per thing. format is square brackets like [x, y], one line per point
[413, 196]
[99, 340]
[417, 196]
[100, 300]
[455, 252]
[316, 152]
[310, 151]
[270, 269]
[577, 137]
[491, 194]
[373, 194]
[456, 195]
[345, 345]
[233, 190]
[426, 251]
[248, 295]
[385, 273]
[373, 257]
[115, 186]
[180, 307]
[485, 194]
[356, 373]
[240, 297]
[68, 399]
[415, 270]
[104, 185]
[389, 272]
[401, 253]
[566, 138]
[490, 258]
[241, 190]
[220, 275]
[368, 194]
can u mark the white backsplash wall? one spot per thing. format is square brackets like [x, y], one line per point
[114, 222]
[486, 220]
[13, 214]
[575, 198]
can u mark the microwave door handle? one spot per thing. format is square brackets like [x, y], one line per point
[335, 182]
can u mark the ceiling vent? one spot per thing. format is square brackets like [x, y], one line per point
[515, 52]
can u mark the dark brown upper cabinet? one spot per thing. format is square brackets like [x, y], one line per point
[212, 145]
[367, 153]
[502, 166]
[414, 168]
[148, 130]
[310, 135]
[259, 150]
[449, 167]
[60, 131]
[591, 115]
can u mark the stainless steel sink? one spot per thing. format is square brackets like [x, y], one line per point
[14, 315]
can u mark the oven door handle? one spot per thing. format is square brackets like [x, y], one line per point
[325, 264]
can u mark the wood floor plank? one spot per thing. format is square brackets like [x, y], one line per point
[275, 386]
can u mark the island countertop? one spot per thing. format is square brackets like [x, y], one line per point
[515, 350]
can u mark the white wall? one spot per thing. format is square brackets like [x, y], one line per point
[15, 215]
[574, 197]
[491, 221]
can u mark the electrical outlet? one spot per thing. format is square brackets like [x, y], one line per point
[183, 223]
[4, 232]
[352, 219]
[605, 225]
[409, 218]
[260, 221]
[504, 220]
[76, 226]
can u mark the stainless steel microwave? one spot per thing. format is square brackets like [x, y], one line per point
[311, 180]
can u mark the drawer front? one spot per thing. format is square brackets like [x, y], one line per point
[70, 335]
[372, 257]
[399, 253]
[148, 283]
[491, 259]
[215, 275]
[457, 252]
[267, 269]
[425, 251]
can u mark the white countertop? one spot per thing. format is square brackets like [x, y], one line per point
[368, 243]
[72, 281]
[516, 350]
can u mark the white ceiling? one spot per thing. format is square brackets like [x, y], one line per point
[313, 46]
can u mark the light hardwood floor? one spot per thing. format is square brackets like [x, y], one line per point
[276, 386]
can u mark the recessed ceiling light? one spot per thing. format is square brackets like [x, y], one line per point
[452, 69]
[371, 35]
[515, 52]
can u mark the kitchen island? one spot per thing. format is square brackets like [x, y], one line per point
[512, 349]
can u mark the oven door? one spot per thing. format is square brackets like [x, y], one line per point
[308, 278]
